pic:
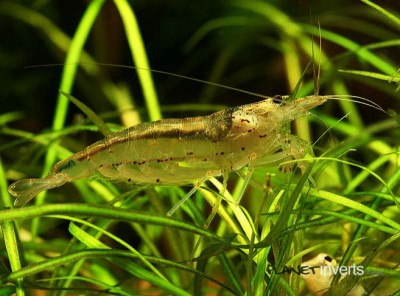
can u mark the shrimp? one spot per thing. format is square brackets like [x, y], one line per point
[319, 273]
[187, 150]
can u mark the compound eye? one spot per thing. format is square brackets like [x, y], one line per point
[328, 258]
[277, 99]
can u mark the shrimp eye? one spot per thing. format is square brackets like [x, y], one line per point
[328, 258]
[277, 99]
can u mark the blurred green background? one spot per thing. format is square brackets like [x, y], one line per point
[235, 46]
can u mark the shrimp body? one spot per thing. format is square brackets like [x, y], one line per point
[184, 151]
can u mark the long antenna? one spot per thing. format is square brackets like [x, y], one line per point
[164, 73]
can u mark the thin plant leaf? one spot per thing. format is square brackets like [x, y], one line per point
[89, 113]
[388, 14]
[139, 56]
[388, 78]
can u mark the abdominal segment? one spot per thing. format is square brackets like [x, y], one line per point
[163, 162]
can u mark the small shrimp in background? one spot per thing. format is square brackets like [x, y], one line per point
[320, 272]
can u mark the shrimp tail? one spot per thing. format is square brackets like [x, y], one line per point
[25, 190]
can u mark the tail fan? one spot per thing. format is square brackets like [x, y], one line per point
[27, 189]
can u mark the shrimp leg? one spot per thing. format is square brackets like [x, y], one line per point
[214, 210]
[217, 202]
[187, 196]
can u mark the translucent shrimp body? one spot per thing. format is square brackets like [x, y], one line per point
[185, 151]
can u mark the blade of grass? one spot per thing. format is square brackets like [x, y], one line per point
[329, 217]
[95, 253]
[139, 56]
[354, 205]
[355, 48]
[72, 61]
[14, 256]
[76, 231]
[9, 232]
[89, 113]
[91, 210]
[67, 80]
[382, 10]
[388, 78]
[6, 199]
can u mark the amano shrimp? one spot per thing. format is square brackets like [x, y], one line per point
[187, 150]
